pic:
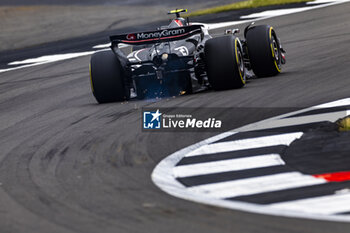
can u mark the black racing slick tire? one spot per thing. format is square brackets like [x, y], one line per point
[264, 51]
[224, 62]
[107, 79]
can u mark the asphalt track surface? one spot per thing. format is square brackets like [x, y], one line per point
[70, 165]
[28, 23]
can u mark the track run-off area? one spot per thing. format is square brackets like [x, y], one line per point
[243, 167]
[68, 164]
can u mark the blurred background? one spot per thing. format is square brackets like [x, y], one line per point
[25, 23]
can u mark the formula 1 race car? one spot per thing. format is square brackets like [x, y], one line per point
[179, 57]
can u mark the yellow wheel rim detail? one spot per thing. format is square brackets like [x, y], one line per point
[273, 52]
[237, 61]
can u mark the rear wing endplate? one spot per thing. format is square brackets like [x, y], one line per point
[151, 37]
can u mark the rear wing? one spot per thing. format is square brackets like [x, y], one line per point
[151, 37]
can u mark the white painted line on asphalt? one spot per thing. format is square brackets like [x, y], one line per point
[166, 181]
[251, 143]
[213, 26]
[337, 103]
[44, 60]
[102, 46]
[330, 204]
[274, 13]
[228, 165]
[270, 121]
[256, 185]
[168, 164]
[321, 2]
[261, 16]
[50, 58]
[108, 45]
[284, 122]
[281, 12]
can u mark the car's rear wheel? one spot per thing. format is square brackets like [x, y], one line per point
[107, 79]
[264, 51]
[224, 62]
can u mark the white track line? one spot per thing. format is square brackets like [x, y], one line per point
[264, 15]
[337, 103]
[301, 120]
[228, 165]
[331, 204]
[44, 60]
[251, 143]
[321, 2]
[164, 178]
[255, 185]
[275, 13]
[272, 122]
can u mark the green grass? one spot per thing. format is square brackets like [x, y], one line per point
[243, 5]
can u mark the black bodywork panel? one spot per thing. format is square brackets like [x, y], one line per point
[166, 63]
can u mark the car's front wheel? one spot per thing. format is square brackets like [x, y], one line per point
[264, 51]
[224, 62]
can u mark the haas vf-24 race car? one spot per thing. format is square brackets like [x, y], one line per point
[179, 57]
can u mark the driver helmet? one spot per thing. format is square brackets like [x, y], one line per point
[178, 22]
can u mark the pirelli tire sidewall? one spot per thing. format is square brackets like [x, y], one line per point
[224, 62]
[106, 78]
[261, 42]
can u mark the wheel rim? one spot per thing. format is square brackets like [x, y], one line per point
[276, 52]
[240, 61]
[275, 49]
